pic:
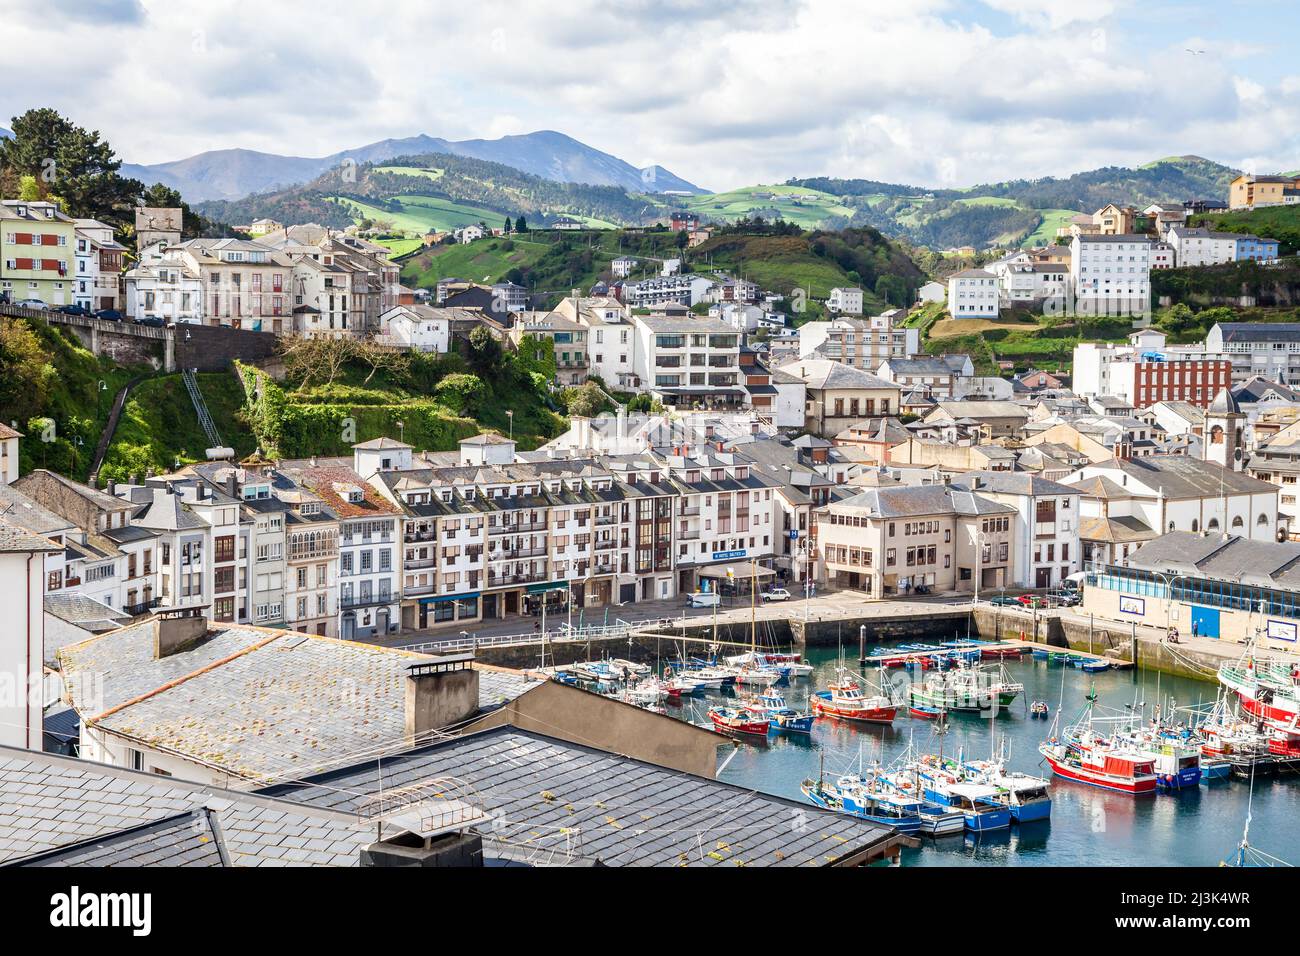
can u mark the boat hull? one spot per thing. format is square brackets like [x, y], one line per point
[1140, 786]
[1031, 812]
[862, 715]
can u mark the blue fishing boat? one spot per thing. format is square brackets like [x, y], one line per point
[1095, 667]
[771, 704]
[1039, 654]
[852, 796]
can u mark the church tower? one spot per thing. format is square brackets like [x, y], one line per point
[1223, 440]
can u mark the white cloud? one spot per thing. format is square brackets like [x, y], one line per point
[724, 95]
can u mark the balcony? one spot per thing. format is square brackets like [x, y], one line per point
[375, 600]
[504, 580]
[523, 528]
[142, 608]
[509, 554]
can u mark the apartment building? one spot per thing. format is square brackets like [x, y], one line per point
[837, 395]
[1199, 246]
[369, 548]
[1046, 544]
[1268, 350]
[99, 266]
[860, 343]
[37, 252]
[686, 289]
[1249, 192]
[246, 284]
[1111, 274]
[1026, 282]
[108, 555]
[973, 294]
[322, 299]
[1119, 369]
[563, 337]
[611, 338]
[931, 375]
[845, 300]
[165, 284]
[685, 359]
[888, 541]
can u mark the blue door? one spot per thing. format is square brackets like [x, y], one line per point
[1205, 621]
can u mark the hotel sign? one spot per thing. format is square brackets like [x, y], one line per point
[728, 555]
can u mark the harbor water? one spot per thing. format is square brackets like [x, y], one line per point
[1088, 826]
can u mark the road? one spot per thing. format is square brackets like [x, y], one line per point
[845, 604]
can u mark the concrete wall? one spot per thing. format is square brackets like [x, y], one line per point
[212, 348]
[588, 719]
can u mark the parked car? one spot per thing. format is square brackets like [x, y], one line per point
[38, 304]
[1032, 600]
[152, 321]
[1003, 601]
[1065, 597]
[72, 309]
[776, 594]
[703, 599]
[921, 589]
[111, 315]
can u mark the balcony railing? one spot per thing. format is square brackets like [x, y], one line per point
[517, 528]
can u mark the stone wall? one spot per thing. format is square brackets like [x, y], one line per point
[212, 348]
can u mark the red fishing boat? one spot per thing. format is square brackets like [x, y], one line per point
[1001, 653]
[729, 720]
[1083, 755]
[845, 700]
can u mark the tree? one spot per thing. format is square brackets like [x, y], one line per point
[25, 370]
[683, 240]
[485, 351]
[585, 401]
[461, 393]
[521, 224]
[506, 228]
[380, 358]
[70, 163]
[312, 361]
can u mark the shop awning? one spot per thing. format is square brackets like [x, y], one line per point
[741, 572]
[549, 586]
[468, 596]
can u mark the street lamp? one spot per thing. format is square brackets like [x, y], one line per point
[510, 414]
[401, 431]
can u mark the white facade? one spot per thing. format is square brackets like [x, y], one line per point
[680, 358]
[370, 577]
[164, 286]
[22, 644]
[1111, 275]
[1198, 246]
[973, 294]
[846, 300]
[932, 292]
[418, 328]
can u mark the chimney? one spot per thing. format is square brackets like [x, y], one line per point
[232, 484]
[112, 488]
[176, 631]
[439, 693]
[446, 850]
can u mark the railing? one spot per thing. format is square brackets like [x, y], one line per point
[201, 408]
[560, 635]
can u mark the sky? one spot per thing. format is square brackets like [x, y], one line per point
[725, 94]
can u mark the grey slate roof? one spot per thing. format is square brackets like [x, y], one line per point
[555, 801]
[53, 802]
[189, 839]
[16, 540]
[909, 501]
[1223, 557]
[85, 612]
[257, 703]
[18, 509]
[1012, 483]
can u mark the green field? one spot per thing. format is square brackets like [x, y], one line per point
[423, 214]
[484, 261]
[434, 174]
[798, 204]
[1045, 234]
[400, 247]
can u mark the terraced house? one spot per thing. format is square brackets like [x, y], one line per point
[37, 252]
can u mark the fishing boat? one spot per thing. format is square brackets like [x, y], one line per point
[1177, 757]
[629, 667]
[773, 706]
[1095, 667]
[844, 699]
[1225, 736]
[731, 720]
[965, 688]
[852, 796]
[1001, 653]
[1267, 690]
[1039, 654]
[1039, 709]
[1026, 796]
[1081, 754]
[923, 712]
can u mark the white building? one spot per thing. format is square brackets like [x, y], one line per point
[420, 328]
[1046, 544]
[973, 294]
[688, 289]
[1027, 282]
[623, 266]
[9, 439]
[1199, 246]
[684, 358]
[468, 234]
[611, 339]
[845, 300]
[22, 642]
[932, 292]
[1179, 493]
[164, 286]
[1111, 275]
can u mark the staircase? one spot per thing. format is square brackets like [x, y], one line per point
[201, 408]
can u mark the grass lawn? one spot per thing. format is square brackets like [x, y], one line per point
[1045, 234]
[424, 213]
[483, 261]
[798, 204]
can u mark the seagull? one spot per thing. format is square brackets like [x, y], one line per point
[1194, 52]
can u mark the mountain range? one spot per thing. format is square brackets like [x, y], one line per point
[235, 173]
